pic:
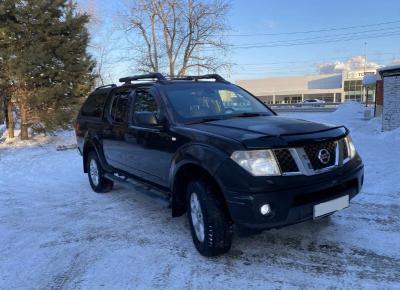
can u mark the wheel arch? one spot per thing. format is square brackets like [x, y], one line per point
[183, 173]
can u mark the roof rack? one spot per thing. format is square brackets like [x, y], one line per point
[158, 76]
[161, 78]
[216, 77]
[106, 86]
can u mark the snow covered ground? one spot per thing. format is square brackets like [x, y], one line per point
[56, 233]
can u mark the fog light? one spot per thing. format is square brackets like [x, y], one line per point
[265, 209]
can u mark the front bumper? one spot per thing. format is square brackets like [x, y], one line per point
[292, 198]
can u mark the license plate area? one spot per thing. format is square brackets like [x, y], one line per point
[331, 206]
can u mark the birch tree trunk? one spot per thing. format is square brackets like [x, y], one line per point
[23, 107]
[10, 120]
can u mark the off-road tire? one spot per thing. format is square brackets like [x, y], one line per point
[103, 184]
[218, 227]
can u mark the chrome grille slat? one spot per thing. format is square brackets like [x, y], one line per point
[306, 158]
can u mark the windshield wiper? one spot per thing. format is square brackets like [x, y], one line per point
[203, 120]
[246, 114]
[210, 119]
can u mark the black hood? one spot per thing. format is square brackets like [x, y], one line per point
[247, 130]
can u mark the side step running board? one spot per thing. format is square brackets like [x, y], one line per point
[145, 189]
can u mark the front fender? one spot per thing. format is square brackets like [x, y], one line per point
[207, 157]
[190, 160]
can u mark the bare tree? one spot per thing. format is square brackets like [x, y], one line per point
[176, 36]
[102, 49]
[105, 42]
[100, 40]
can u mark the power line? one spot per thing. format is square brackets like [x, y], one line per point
[310, 31]
[284, 68]
[315, 60]
[307, 41]
[320, 37]
[288, 44]
[283, 72]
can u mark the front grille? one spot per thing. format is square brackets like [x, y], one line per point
[315, 152]
[286, 161]
[312, 159]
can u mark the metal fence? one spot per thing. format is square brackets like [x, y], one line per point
[300, 107]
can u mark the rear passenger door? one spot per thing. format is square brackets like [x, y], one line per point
[114, 138]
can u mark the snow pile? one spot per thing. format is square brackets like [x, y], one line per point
[2, 129]
[349, 114]
[58, 138]
[392, 135]
[348, 110]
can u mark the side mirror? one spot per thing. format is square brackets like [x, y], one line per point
[146, 118]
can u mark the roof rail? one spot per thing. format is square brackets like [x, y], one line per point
[158, 76]
[106, 86]
[216, 77]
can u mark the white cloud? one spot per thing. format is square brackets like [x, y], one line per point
[396, 61]
[356, 62]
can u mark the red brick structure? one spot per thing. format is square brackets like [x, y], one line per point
[379, 93]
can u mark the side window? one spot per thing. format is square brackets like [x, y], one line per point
[93, 107]
[121, 110]
[113, 106]
[120, 107]
[145, 102]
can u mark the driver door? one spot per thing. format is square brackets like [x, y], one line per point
[151, 148]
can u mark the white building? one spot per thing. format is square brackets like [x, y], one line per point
[294, 89]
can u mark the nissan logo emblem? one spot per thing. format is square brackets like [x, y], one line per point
[324, 156]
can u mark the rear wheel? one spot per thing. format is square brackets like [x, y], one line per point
[96, 174]
[210, 225]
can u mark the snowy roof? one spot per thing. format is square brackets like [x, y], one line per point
[391, 68]
[369, 80]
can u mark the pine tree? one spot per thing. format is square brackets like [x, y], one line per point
[7, 40]
[50, 69]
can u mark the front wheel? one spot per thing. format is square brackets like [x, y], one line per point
[96, 174]
[210, 225]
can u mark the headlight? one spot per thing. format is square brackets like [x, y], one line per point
[351, 150]
[257, 162]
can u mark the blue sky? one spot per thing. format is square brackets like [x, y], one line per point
[281, 18]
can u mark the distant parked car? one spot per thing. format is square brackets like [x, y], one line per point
[313, 102]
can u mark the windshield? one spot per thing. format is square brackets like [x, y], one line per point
[200, 101]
